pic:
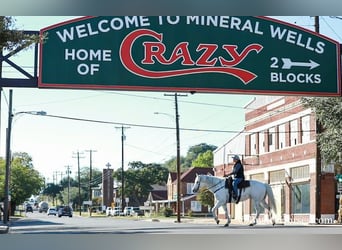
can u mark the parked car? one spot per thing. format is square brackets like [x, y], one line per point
[64, 211]
[137, 212]
[129, 211]
[52, 211]
[28, 208]
[109, 211]
[116, 211]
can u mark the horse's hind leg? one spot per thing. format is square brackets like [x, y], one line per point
[257, 210]
[270, 214]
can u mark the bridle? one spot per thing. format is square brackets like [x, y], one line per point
[199, 184]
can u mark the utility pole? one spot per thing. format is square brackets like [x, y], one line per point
[123, 138]
[178, 157]
[91, 151]
[79, 181]
[68, 172]
[8, 159]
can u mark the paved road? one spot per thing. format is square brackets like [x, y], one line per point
[37, 223]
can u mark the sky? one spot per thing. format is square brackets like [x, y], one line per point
[53, 143]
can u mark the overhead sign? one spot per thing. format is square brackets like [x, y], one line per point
[228, 54]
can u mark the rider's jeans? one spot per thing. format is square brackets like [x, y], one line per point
[236, 183]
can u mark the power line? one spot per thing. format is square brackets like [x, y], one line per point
[153, 126]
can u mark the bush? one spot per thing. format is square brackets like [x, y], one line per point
[167, 212]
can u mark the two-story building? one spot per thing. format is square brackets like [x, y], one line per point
[278, 146]
[188, 198]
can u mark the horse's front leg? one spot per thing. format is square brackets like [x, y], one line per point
[226, 214]
[214, 211]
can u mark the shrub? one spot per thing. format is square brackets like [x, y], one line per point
[167, 212]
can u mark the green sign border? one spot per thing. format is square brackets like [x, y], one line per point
[212, 54]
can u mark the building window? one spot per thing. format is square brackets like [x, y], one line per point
[300, 172]
[301, 198]
[277, 176]
[282, 136]
[253, 144]
[271, 139]
[293, 132]
[261, 143]
[305, 129]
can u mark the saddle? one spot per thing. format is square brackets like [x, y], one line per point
[229, 185]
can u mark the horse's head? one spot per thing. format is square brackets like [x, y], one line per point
[197, 184]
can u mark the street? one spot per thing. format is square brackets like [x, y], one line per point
[40, 223]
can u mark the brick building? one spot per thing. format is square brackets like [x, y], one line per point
[278, 146]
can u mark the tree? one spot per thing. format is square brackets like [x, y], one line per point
[139, 178]
[328, 111]
[205, 197]
[25, 180]
[73, 196]
[204, 160]
[52, 190]
[12, 39]
[192, 154]
[194, 151]
[171, 164]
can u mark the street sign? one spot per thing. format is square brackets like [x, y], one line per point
[229, 54]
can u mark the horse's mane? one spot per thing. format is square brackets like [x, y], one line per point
[212, 178]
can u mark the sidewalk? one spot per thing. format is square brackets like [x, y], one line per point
[3, 228]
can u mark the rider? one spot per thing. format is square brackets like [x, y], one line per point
[238, 173]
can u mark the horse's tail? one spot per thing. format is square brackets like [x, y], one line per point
[271, 200]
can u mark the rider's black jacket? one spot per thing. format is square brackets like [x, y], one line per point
[238, 171]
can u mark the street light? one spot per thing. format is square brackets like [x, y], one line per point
[8, 151]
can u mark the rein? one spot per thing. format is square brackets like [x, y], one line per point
[215, 186]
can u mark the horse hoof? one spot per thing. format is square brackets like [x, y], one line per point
[251, 225]
[226, 225]
[218, 222]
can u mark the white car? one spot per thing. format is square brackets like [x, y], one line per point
[52, 211]
[130, 211]
[116, 211]
[109, 211]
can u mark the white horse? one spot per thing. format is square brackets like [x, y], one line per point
[257, 191]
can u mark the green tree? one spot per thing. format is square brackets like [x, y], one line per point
[192, 154]
[25, 180]
[194, 151]
[328, 111]
[171, 164]
[139, 178]
[12, 39]
[205, 197]
[73, 196]
[204, 160]
[52, 190]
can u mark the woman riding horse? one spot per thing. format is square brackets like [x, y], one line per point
[238, 173]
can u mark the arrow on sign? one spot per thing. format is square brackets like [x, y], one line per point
[288, 64]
